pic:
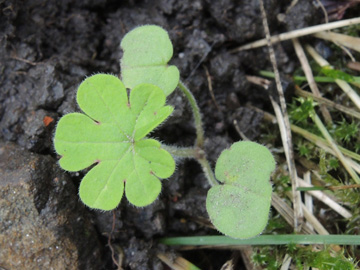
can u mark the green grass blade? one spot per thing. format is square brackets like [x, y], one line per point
[284, 239]
[319, 79]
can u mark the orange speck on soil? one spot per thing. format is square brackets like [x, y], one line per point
[47, 120]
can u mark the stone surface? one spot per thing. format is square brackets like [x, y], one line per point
[42, 224]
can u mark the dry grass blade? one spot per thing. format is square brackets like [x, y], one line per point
[314, 223]
[322, 143]
[308, 199]
[328, 103]
[318, 141]
[306, 67]
[287, 213]
[334, 147]
[229, 265]
[310, 78]
[342, 84]
[354, 66]
[286, 262]
[285, 131]
[178, 263]
[312, 220]
[354, 165]
[298, 91]
[297, 199]
[345, 40]
[326, 200]
[299, 33]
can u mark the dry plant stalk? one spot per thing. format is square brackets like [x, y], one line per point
[285, 129]
[179, 263]
[342, 84]
[318, 141]
[286, 262]
[299, 33]
[327, 102]
[334, 147]
[326, 199]
[287, 213]
[310, 78]
[308, 198]
[344, 40]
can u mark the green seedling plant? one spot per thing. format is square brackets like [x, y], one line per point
[111, 136]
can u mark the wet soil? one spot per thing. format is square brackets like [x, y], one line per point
[48, 47]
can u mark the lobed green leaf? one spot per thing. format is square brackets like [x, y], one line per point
[111, 135]
[147, 50]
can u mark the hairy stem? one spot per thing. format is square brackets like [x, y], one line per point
[208, 171]
[181, 152]
[196, 113]
[196, 153]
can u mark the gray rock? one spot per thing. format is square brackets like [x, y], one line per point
[42, 224]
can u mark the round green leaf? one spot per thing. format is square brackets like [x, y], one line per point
[111, 134]
[236, 212]
[147, 50]
[240, 206]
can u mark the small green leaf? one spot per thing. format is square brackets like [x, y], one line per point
[240, 206]
[302, 112]
[337, 74]
[111, 135]
[147, 50]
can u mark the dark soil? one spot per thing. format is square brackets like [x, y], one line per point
[48, 47]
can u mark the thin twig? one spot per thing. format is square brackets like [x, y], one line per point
[286, 137]
[299, 33]
[323, 10]
[258, 81]
[333, 188]
[211, 88]
[200, 62]
[241, 134]
[24, 60]
[292, 4]
[109, 242]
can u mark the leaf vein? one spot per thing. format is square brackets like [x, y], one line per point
[113, 117]
[112, 172]
[138, 116]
